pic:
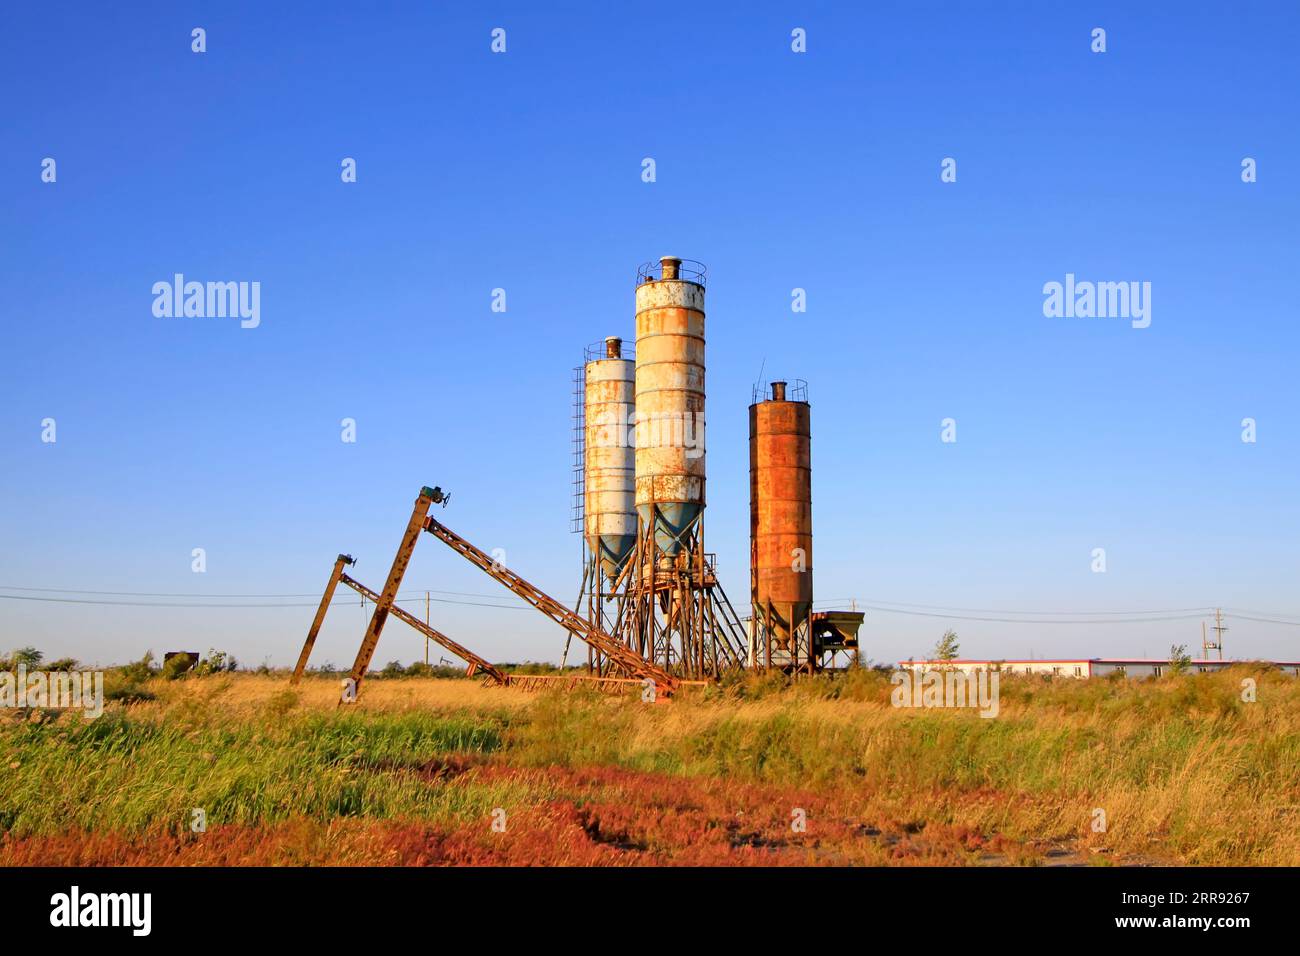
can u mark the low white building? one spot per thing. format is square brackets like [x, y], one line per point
[1085, 667]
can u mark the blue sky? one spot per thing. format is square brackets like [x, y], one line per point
[522, 171]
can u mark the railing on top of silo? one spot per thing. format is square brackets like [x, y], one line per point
[796, 390]
[596, 351]
[688, 270]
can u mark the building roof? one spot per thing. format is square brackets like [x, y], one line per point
[1092, 660]
[994, 660]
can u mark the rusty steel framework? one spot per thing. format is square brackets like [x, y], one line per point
[598, 603]
[671, 609]
[620, 656]
[335, 575]
[633, 667]
[475, 663]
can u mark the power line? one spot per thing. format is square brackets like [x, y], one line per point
[1262, 620]
[1026, 620]
[5, 587]
[57, 600]
[195, 604]
[1241, 612]
[882, 607]
[1153, 616]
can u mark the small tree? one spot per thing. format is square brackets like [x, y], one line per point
[28, 657]
[140, 670]
[947, 648]
[1179, 659]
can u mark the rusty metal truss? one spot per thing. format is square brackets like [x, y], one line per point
[672, 610]
[618, 654]
[635, 668]
[476, 664]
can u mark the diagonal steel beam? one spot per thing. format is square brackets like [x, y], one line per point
[622, 656]
[475, 662]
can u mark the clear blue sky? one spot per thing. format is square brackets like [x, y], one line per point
[523, 171]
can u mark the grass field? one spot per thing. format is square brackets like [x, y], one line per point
[420, 770]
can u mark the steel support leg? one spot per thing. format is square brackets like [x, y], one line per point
[320, 616]
[389, 594]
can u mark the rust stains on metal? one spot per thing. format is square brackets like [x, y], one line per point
[343, 559]
[780, 483]
[475, 662]
[670, 457]
[384, 603]
[609, 514]
[621, 656]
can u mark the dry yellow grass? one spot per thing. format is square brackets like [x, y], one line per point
[1184, 769]
[321, 694]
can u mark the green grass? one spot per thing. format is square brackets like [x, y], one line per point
[127, 772]
[1183, 767]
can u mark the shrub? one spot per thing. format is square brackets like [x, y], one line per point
[177, 666]
[215, 663]
[138, 671]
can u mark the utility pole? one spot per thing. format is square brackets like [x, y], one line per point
[1218, 627]
[426, 624]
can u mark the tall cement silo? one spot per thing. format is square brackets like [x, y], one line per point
[609, 474]
[670, 400]
[780, 521]
[671, 608]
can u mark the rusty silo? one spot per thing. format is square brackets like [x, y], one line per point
[670, 400]
[609, 458]
[780, 510]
